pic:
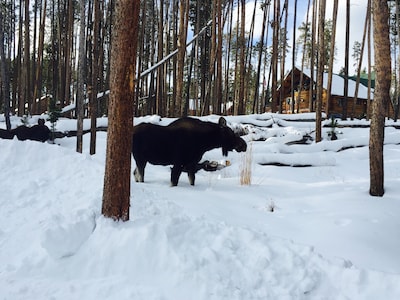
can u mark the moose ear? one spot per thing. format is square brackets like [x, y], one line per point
[222, 122]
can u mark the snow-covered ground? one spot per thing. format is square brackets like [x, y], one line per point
[295, 233]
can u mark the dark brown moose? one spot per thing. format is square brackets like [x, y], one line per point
[39, 132]
[181, 144]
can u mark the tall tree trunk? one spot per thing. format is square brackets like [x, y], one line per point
[292, 95]
[27, 62]
[80, 95]
[101, 85]
[332, 57]
[14, 51]
[256, 101]
[68, 50]
[236, 67]
[312, 57]
[160, 95]
[282, 49]
[95, 74]
[142, 60]
[39, 65]
[183, 27]
[361, 58]
[218, 83]
[249, 49]
[4, 82]
[117, 177]
[346, 62]
[34, 65]
[210, 98]
[20, 65]
[60, 55]
[227, 96]
[274, 60]
[320, 68]
[304, 55]
[53, 70]
[173, 107]
[369, 62]
[381, 96]
[397, 100]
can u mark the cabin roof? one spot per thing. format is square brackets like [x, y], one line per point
[337, 84]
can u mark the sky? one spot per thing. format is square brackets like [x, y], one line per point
[357, 19]
[307, 229]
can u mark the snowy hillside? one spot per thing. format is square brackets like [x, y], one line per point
[295, 233]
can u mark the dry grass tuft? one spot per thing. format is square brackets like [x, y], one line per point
[246, 164]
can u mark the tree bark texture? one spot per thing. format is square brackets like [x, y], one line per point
[116, 194]
[80, 95]
[274, 59]
[183, 25]
[320, 68]
[381, 97]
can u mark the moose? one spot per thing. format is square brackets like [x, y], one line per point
[39, 132]
[181, 144]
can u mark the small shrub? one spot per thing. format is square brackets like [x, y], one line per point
[271, 206]
[332, 133]
[54, 114]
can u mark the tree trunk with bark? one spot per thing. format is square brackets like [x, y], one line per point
[369, 63]
[274, 59]
[320, 68]
[4, 77]
[292, 93]
[346, 62]
[183, 27]
[218, 83]
[95, 75]
[332, 57]
[242, 61]
[312, 58]
[361, 58]
[117, 177]
[381, 96]
[27, 64]
[80, 95]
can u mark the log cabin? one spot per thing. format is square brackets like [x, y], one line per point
[356, 107]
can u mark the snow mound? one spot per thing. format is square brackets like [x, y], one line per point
[65, 240]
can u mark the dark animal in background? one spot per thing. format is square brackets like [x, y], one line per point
[5, 134]
[39, 132]
[181, 144]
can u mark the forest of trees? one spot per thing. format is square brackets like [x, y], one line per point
[194, 57]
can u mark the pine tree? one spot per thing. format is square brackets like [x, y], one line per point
[117, 177]
[381, 96]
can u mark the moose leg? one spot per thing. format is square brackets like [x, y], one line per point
[139, 172]
[191, 176]
[191, 170]
[175, 173]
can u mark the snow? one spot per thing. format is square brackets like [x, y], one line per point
[294, 233]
